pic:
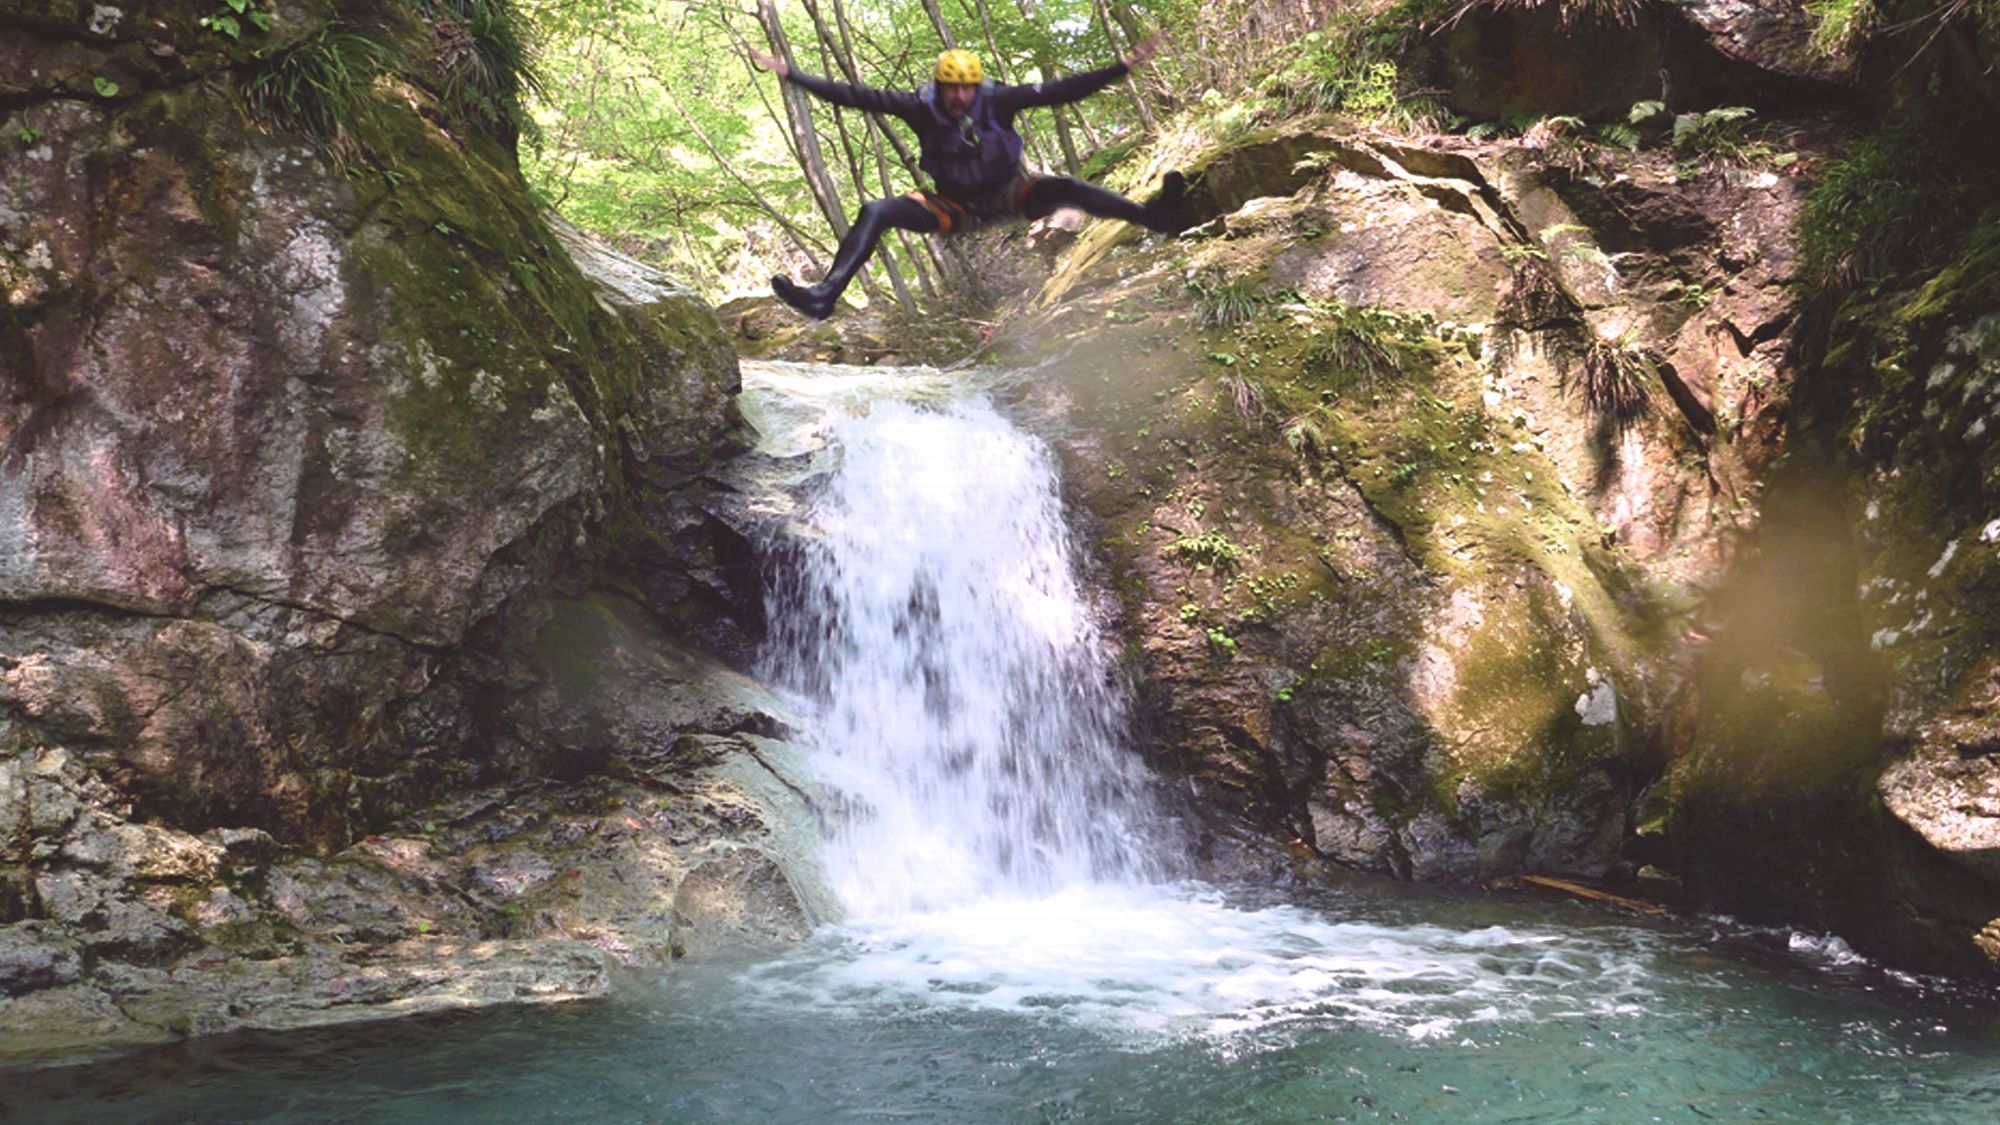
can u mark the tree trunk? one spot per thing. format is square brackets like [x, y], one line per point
[852, 74]
[832, 56]
[937, 21]
[1128, 20]
[805, 138]
[1045, 63]
[1131, 87]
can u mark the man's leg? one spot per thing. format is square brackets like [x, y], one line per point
[1162, 214]
[875, 217]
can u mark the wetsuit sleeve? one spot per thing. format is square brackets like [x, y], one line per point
[900, 104]
[1062, 91]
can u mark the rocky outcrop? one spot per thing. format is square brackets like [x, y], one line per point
[1530, 506]
[1839, 772]
[528, 893]
[1408, 577]
[316, 458]
[1843, 772]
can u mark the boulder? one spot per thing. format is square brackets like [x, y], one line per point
[317, 453]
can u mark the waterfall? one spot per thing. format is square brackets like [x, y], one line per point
[990, 835]
[925, 603]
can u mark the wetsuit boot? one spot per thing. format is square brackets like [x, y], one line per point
[818, 301]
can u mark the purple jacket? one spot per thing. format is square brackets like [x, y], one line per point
[962, 160]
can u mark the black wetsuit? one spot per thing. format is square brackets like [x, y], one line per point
[975, 162]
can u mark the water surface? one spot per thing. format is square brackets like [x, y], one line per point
[1369, 1003]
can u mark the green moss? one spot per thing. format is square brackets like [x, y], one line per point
[1519, 737]
[1968, 285]
[577, 643]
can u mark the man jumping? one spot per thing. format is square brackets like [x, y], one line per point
[965, 132]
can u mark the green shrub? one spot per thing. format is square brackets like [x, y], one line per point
[1840, 25]
[1892, 202]
[1351, 66]
[1211, 549]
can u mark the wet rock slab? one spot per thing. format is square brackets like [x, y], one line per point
[692, 836]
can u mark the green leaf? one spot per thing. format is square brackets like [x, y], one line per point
[1617, 133]
[30, 136]
[261, 19]
[227, 25]
[105, 87]
[240, 6]
[1645, 111]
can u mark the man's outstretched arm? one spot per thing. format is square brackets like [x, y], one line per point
[1076, 87]
[892, 102]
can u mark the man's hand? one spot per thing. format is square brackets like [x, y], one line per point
[775, 65]
[1146, 49]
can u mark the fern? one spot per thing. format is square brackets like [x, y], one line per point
[1620, 134]
[1304, 436]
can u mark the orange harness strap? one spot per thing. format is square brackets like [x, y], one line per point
[950, 215]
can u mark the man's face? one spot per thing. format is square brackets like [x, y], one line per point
[955, 98]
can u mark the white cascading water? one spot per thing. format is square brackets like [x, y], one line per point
[930, 610]
[990, 836]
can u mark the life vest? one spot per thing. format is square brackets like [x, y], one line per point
[962, 159]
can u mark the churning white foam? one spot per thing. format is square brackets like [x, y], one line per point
[1174, 962]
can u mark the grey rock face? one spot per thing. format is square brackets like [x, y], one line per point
[34, 956]
[739, 902]
[304, 477]
[682, 841]
[1953, 802]
[1769, 34]
[1402, 620]
[1948, 789]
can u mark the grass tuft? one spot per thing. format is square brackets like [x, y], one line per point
[1617, 376]
[486, 58]
[314, 87]
[1222, 303]
[1888, 205]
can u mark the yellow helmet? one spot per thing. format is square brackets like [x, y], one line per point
[959, 68]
